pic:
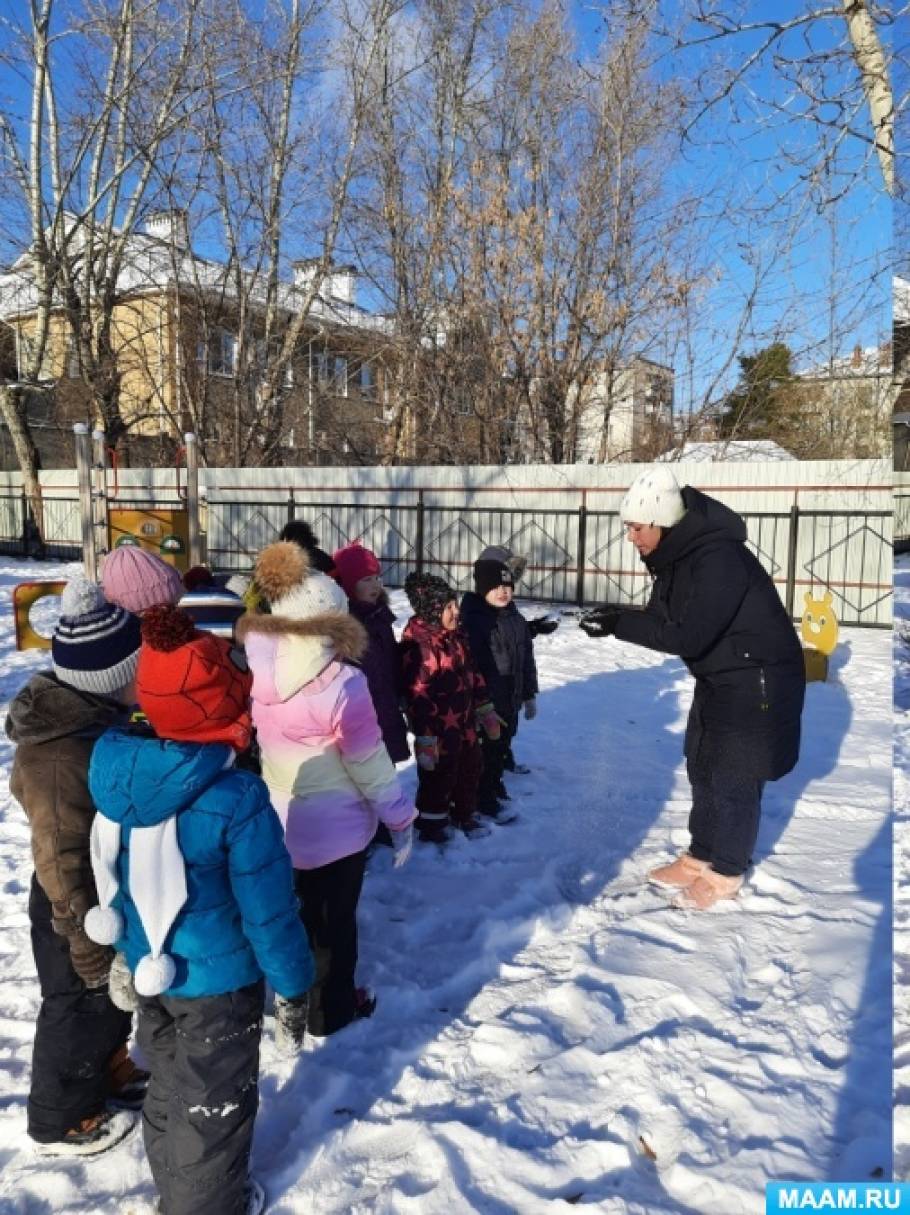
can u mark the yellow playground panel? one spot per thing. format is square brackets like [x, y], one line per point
[163, 531]
[25, 596]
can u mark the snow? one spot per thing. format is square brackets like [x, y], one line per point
[549, 1030]
[739, 450]
[902, 868]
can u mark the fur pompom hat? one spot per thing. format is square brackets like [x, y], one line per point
[293, 588]
[188, 684]
[654, 499]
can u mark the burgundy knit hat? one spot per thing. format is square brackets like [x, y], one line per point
[428, 595]
[187, 683]
[352, 563]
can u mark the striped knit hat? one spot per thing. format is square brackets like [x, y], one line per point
[95, 646]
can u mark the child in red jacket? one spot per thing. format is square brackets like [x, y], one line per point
[446, 700]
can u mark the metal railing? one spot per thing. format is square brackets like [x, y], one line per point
[575, 556]
[20, 537]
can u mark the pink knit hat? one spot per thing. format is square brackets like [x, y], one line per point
[352, 563]
[137, 580]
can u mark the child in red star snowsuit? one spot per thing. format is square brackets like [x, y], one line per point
[446, 701]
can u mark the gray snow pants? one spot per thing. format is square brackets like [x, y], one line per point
[198, 1116]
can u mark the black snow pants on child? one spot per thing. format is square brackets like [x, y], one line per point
[198, 1116]
[494, 762]
[449, 791]
[328, 907]
[77, 1032]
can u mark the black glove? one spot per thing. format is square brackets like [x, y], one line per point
[290, 1023]
[542, 626]
[600, 622]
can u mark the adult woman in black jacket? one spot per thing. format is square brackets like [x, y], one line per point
[714, 606]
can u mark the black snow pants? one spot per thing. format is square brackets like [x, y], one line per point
[723, 823]
[328, 907]
[495, 754]
[198, 1116]
[77, 1032]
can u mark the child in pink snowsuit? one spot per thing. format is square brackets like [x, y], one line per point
[329, 774]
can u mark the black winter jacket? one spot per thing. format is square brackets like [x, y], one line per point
[503, 652]
[715, 607]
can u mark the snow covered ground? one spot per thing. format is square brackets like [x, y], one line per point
[549, 1031]
[902, 868]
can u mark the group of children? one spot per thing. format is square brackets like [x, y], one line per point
[178, 867]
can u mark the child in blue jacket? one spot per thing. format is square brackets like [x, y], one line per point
[196, 889]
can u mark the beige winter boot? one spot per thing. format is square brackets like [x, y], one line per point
[709, 889]
[681, 873]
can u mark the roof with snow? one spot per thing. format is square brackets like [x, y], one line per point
[740, 450]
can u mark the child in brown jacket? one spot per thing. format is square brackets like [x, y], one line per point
[81, 1070]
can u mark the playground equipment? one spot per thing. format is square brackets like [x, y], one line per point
[25, 596]
[172, 533]
[819, 633]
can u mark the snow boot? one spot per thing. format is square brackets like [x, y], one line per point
[680, 873]
[365, 1003]
[498, 813]
[126, 1083]
[92, 1136]
[435, 834]
[709, 889]
[472, 827]
[520, 769]
[255, 1197]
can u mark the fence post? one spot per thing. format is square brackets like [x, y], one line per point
[194, 533]
[83, 442]
[23, 502]
[291, 507]
[418, 540]
[791, 558]
[582, 543]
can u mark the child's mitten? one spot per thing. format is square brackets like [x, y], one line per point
[426, 750]
[402, 843]
[121, 988]
[489, 720]
[530, 709]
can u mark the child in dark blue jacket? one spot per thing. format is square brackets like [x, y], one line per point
[502, 650]
[196, 890]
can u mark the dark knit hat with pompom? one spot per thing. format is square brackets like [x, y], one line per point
[188, 684]
[428, 595]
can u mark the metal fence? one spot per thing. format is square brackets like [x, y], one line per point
[575, 556]
[901, 520]
[19, 535]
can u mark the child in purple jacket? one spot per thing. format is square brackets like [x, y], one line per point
[360, 574]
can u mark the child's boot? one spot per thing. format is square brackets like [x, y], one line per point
[126, 1083]
[92, 1135]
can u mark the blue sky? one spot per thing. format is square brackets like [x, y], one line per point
[778, 262]
[824, 248]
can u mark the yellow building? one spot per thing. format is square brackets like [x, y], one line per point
[188, 351]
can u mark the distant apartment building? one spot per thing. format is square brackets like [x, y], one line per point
[844, 406]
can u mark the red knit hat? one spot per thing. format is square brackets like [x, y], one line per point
[187, 682]
[352, 563]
